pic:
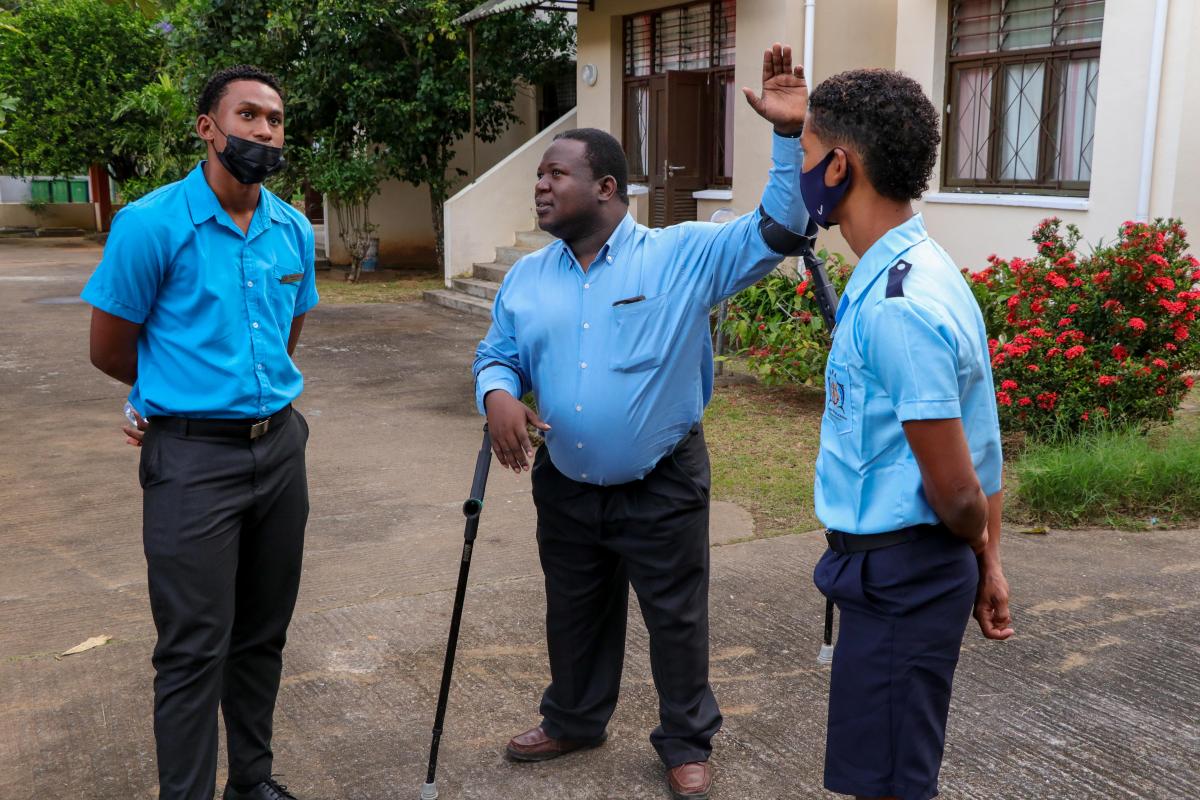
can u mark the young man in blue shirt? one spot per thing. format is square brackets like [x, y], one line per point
[198, 304]
[609, 327]
[908, 476]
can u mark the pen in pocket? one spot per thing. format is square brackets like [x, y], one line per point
[629, 300]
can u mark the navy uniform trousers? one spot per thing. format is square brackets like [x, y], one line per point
[594, 542]
[223, 530]
[904, 610]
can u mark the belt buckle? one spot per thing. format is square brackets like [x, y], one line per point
[260, 428]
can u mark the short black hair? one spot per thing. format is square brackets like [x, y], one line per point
[218, 82]
[604, 155]
[888, 119]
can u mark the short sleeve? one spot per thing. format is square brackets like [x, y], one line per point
[308, 284]
[915, 359]
[126, 282]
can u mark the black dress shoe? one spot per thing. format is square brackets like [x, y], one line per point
[267, 790]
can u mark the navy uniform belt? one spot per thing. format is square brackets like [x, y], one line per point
[223, 428]
[840, 542]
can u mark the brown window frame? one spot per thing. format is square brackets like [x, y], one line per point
[1054, 59]
[713, 176]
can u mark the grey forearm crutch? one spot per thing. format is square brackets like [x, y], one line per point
[472, 508]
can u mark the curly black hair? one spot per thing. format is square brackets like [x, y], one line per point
[888, 119]
[218, 82]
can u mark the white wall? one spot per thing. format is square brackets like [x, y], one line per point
[486, 213]
[14, 190]
[402, 211]
[971, 232]
[910, 35]
[843, 41]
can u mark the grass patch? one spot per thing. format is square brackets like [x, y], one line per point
[384, 286]
[1116, 479]
[763, 443]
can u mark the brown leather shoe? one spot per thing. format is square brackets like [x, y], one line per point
[690, 781]
[535, 745]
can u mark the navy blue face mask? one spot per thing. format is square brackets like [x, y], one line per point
[819, 199]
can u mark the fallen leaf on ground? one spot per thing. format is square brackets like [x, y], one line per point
[95, 641]
[1037, 530]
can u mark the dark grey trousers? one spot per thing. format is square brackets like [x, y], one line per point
[223, 529]
[594, 541]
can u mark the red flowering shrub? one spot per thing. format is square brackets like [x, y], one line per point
[777, 325]
[1106, 337]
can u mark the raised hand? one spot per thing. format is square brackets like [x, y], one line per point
[784, 100]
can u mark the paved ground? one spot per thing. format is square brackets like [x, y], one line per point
[1098, 696]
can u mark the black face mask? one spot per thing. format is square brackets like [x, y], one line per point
[250, 162]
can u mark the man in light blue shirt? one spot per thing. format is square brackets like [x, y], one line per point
[609, 328]
[198, 305]
[908, 475]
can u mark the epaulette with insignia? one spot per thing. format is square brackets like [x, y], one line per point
[896, 275]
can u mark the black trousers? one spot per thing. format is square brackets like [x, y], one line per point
[594, 541]
[223, 529]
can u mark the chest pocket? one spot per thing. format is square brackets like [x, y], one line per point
[639, 335]
[284, 287]
[839, 397]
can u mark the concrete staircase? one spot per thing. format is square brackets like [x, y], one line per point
[474, 294]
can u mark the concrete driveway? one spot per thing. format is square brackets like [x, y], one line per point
[1097, 696]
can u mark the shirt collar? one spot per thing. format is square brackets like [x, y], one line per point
[612, 248]
[204, 205]
[881, 255]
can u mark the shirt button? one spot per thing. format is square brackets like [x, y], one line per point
[583, 365]
[260, 366]
[263, 408]
[586, 326]
[579, 445]
[254, 325]
[583, 475]
[250, 284]
[609, 259]
[579, 408]
[587, 286]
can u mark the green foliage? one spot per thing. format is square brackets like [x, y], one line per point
[1100, 339]
[64, 67]
[1108, 477]
[350, 178]
[166, 144]
[360, 73]
[7, 105]
[777, 325]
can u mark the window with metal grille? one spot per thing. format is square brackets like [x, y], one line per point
[696, 37]
[1022, 80]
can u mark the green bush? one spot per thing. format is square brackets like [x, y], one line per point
[1104, 339]
[777, 325]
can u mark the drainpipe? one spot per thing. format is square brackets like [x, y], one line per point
[810, 12]
[1153, 89]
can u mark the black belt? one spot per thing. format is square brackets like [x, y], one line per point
[840, 542]
[223, 428]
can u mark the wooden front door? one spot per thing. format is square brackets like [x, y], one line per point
[678, 132]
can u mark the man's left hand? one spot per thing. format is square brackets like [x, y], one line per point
[135, 433]
[784, 100]
[991, 603]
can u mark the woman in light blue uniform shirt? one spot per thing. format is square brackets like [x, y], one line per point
[908, 476]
